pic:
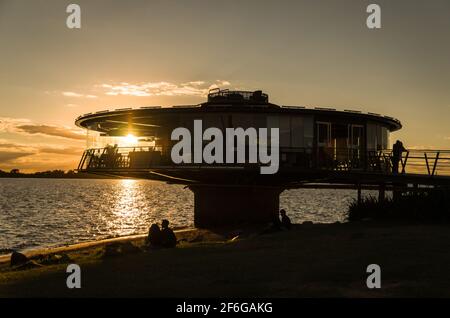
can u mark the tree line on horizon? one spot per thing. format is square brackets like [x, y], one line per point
[16, 173]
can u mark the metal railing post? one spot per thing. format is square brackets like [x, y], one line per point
[435, 163]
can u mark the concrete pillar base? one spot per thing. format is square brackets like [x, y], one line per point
[218, 206]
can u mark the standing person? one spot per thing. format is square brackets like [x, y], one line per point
[285, 220]
[168, 238]
[397, 151]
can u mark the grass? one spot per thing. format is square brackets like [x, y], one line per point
[423, 207]
[321, 260]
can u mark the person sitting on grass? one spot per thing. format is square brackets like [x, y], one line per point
[168, 238]
[276, 224]
[285, 220]
[154, 236]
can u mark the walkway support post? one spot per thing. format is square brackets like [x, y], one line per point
[382, 193]
[359, 194]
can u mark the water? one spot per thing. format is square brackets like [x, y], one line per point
[37, 213]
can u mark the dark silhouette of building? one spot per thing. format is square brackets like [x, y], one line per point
[314, 144]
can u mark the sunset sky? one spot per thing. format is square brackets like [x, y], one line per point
[142, 53]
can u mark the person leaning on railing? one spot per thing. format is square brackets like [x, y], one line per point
[397, 151]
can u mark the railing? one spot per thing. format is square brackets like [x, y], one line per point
[217, 95]
[428, 162]
[120, 158]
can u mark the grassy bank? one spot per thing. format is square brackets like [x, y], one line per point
[308, 261]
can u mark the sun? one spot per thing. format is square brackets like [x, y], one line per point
[130, 140]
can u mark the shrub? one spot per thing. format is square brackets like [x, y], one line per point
[429, 206]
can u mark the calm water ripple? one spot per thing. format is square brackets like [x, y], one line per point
[38, 213]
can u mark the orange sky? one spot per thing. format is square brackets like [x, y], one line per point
[141, 53]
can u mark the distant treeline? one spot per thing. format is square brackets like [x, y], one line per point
[15, 173]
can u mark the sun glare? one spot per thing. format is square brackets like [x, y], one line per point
[130, 140]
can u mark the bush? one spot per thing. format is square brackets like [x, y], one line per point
[430, 206]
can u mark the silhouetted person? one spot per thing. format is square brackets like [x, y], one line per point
[285, 220]
[276, 223]
[397, 151]
[168, 238]
[154, 236]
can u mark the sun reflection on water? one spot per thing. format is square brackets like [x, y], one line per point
[126, 213]
[130, 206]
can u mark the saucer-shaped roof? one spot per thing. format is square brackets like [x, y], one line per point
[144, 121]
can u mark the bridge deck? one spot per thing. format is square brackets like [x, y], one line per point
[299, 166]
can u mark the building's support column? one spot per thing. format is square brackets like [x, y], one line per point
[217, 206]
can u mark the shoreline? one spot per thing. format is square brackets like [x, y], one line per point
[311, 260]
[64, 248]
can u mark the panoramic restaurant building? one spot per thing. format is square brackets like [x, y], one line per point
[315, 144]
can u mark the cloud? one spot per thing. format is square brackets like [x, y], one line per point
[193, 88]
[222, 83]
[75, 151]
[38, 153]
[38, 162]
[10, 151]
[54, 131]
[8, 124]
[7, 156]
[10, 147]
[38, 157]
[194, 83]
[71, 94]
[26, 126]
[78, 95]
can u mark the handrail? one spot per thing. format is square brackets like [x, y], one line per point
[257, 96]
[415, 161]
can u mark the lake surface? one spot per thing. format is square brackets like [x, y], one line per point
[37, 213]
